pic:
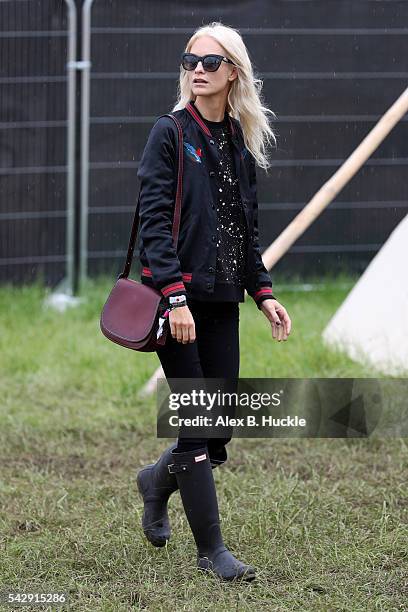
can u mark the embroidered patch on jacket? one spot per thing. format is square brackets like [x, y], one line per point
[192, 152]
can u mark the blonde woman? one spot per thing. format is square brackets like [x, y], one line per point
[225, 132]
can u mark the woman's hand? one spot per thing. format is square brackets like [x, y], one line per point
[279, 318]
[182, 324]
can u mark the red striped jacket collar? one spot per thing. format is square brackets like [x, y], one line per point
[194, 113]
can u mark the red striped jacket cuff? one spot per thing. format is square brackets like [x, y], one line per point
[176, 287]
[262, 292]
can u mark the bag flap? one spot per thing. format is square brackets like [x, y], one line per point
[130, 310]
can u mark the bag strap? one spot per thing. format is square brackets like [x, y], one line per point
[177, 208]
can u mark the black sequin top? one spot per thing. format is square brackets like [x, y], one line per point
[231, 226]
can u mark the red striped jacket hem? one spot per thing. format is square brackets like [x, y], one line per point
[187, 276]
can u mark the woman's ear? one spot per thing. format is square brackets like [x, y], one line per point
[234, 74]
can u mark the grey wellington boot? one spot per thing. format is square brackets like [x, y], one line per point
[155, 484]
[197, 489]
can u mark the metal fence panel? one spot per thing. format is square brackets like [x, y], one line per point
[330, 69]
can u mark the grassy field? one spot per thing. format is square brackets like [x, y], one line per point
[324, 521]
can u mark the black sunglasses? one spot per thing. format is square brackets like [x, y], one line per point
[210, 63]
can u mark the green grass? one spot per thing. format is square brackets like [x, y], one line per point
[324, 521]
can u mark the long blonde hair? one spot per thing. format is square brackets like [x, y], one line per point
[244, 100]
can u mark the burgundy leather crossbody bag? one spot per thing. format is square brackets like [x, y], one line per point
[130, 316]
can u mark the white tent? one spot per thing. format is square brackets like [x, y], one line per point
[372, 323]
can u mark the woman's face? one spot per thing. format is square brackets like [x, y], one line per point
[217, 81]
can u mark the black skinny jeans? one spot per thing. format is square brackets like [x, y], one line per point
[213, 354]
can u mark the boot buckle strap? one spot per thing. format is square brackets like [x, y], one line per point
[177, 467]
[215, 462]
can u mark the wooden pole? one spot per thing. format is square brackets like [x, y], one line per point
[340, 178]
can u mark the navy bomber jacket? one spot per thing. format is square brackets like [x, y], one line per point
[190, 269]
